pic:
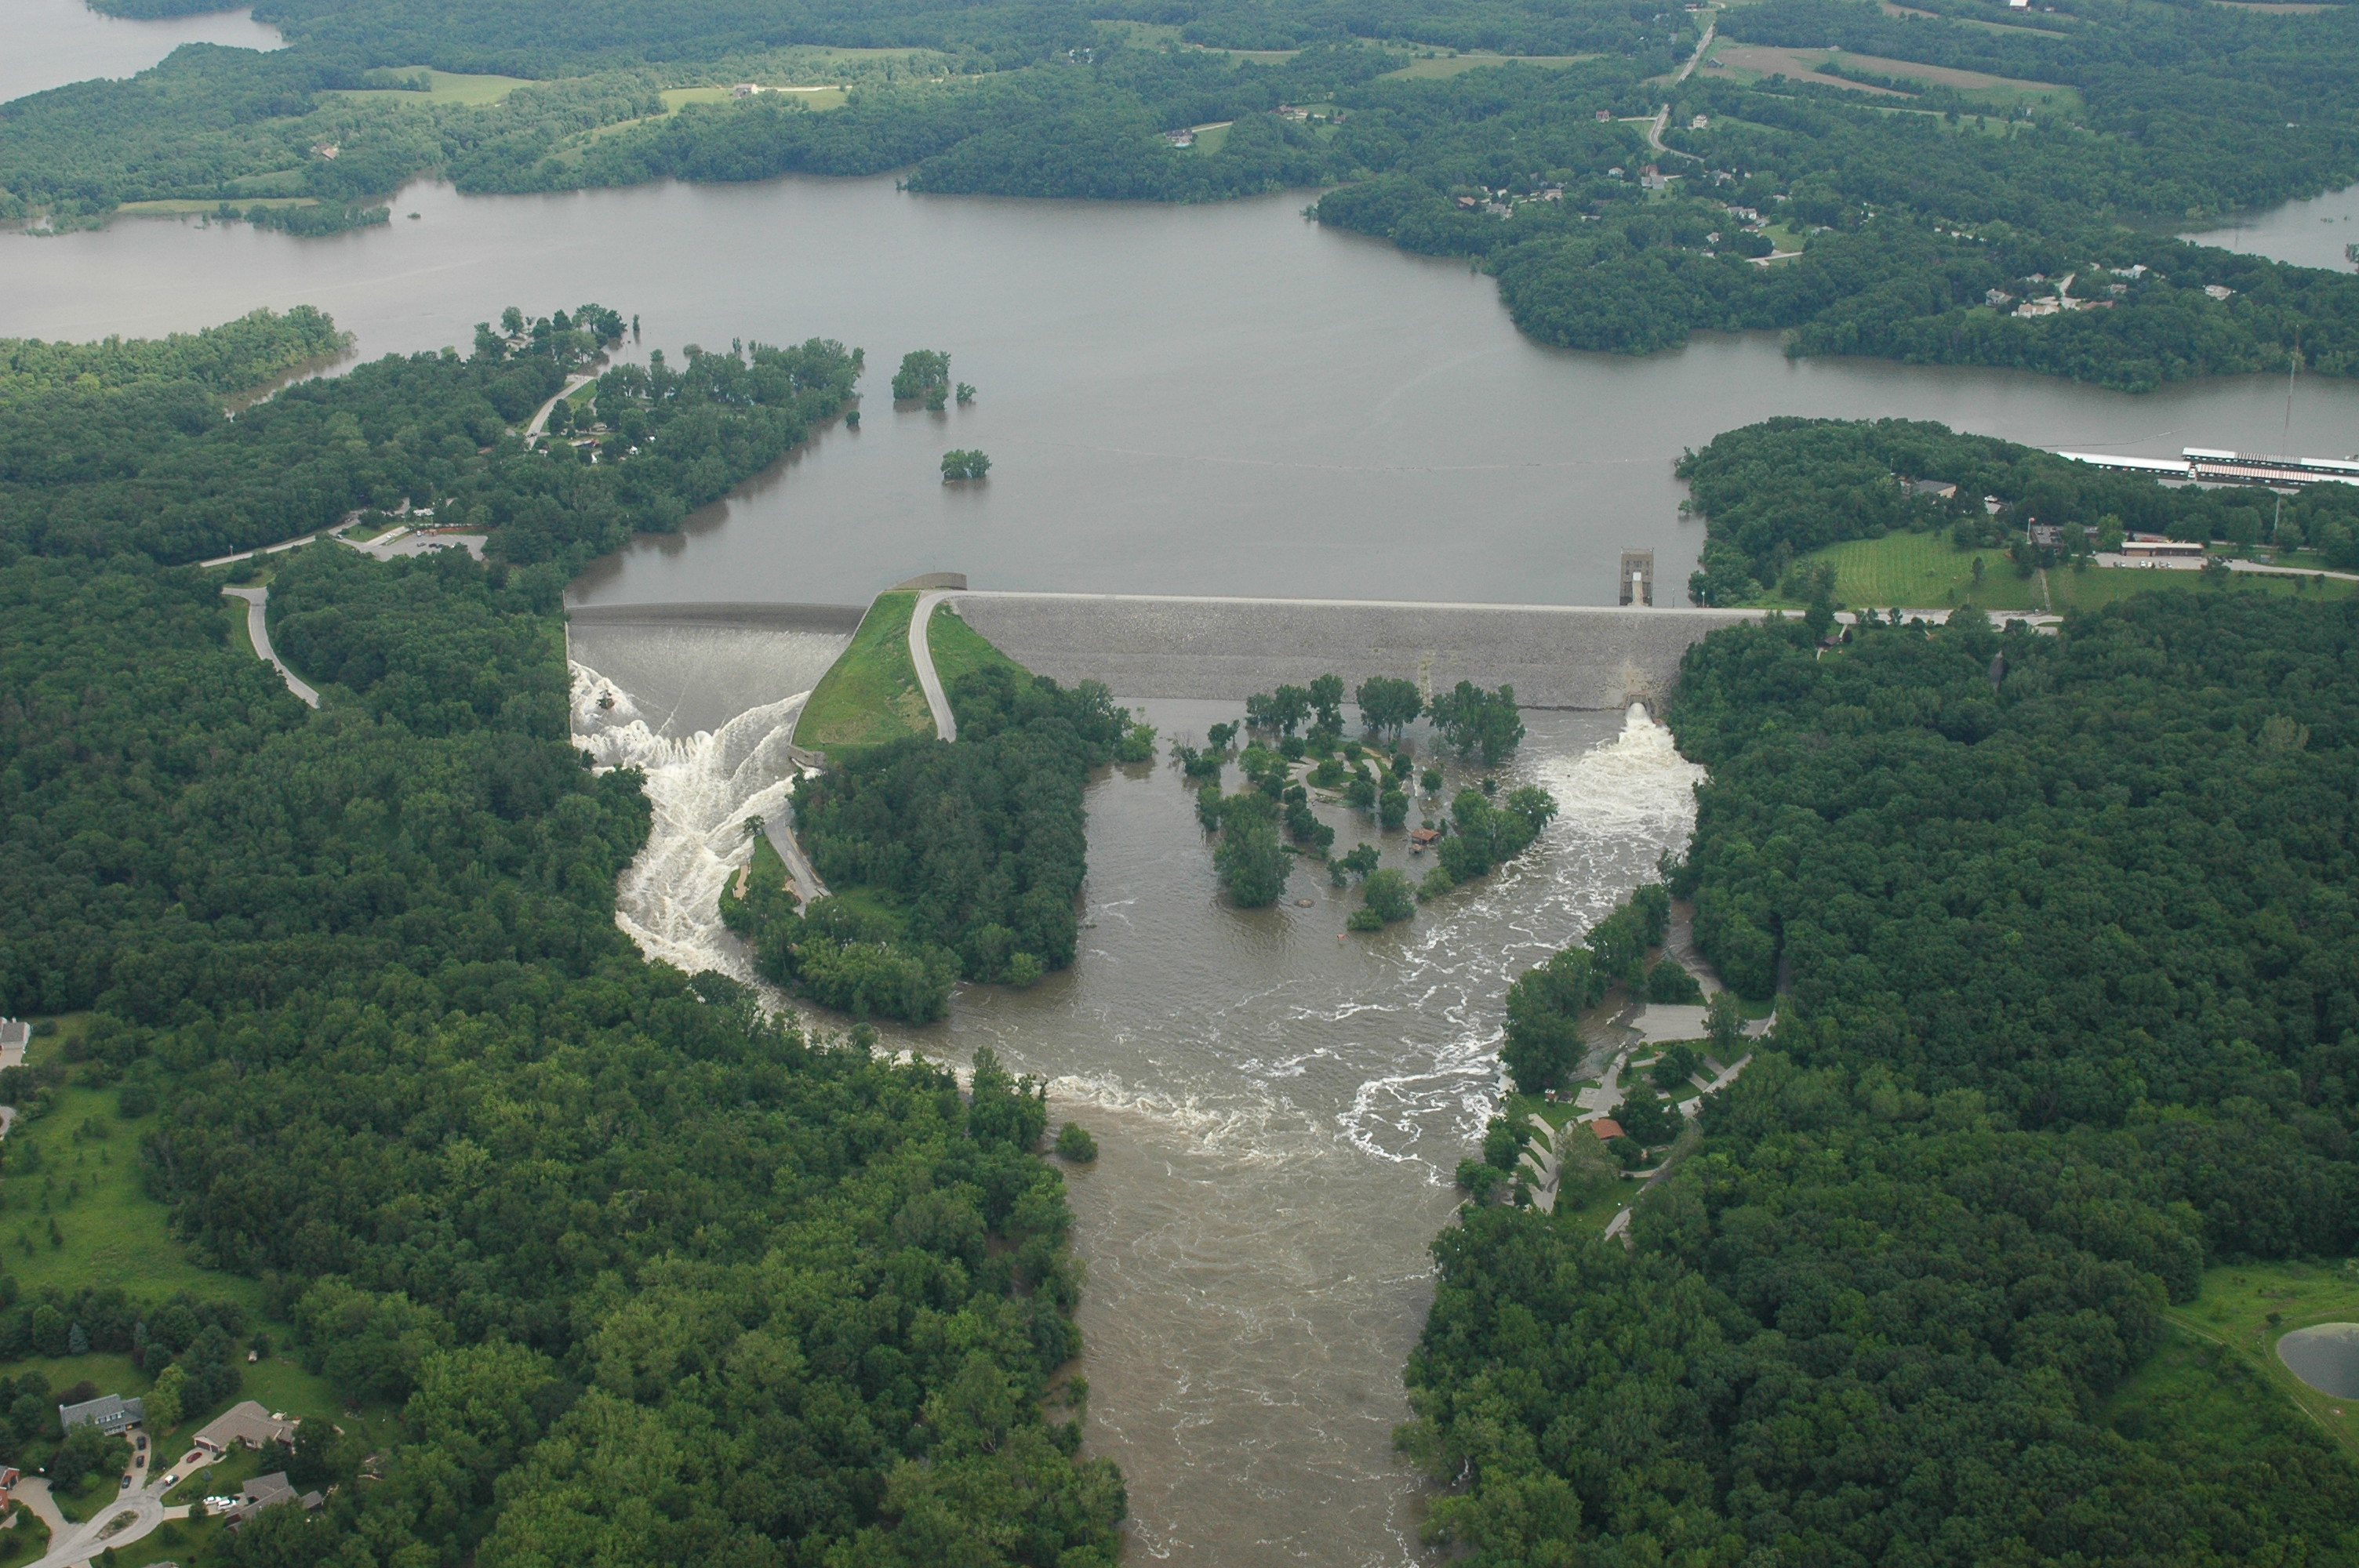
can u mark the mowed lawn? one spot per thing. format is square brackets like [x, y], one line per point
[869, 695]
[958, 649]
[1926, 572]
[470, 89]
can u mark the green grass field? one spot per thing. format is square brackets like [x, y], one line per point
[179, 207]
[1212, 139]
[2226, 1353]
[25, 1539]
[958, 648]
[108, 1232]
[766, 869]
[869, 695]
[1926, 572]
[1451, 65]
[449, 87]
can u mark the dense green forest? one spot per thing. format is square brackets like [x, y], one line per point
[147, 459]
[1773, 492]
[2066, 942]
[1910, 222]
[951, 861]
[650, 1276]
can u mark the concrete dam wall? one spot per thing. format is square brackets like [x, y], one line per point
[1576, 656]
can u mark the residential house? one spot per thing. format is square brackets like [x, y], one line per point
[247, 1424]
[111, 1413]
[267, 1492]
[1606, 1128]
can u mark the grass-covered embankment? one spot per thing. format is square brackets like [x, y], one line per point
[959, 650]
[869, 695]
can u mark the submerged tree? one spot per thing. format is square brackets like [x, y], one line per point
[924, 372]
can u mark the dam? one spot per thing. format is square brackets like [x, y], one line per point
[1279, 1104]
[1203, 648]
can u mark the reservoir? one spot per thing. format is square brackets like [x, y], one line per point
[54, 42]
[1221, 399]
[1212, 400]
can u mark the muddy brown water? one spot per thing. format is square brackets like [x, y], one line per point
[1279, 1112]
[1218, 399]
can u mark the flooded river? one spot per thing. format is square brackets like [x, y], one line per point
[1277, 1111]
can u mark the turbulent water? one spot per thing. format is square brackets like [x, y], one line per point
[1279, 1111]
[704, 786]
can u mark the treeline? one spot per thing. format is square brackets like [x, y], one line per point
[2068, 1017]
[91, 473]
[950, 861]
[575, 1213]
[1772, 492]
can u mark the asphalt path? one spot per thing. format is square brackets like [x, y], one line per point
[71, 1545]
[921, 656]
[257, 600]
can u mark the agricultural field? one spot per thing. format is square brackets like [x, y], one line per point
[1752, 62]
[1435, 66]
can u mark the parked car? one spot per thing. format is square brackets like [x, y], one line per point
[171, 1480]
[125, 1484]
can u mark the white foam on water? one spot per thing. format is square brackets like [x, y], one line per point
[1620, 805]
[1637, 783]
[704, 786]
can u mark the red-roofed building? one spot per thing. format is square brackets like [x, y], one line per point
[1606, 1128]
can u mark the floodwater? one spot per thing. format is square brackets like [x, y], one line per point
[2307, 233]
[1218, 399]
[2326, 1357]
[54, 42]
[1279, 1112]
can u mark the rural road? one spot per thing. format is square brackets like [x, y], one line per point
[1703, 44]
[921, 656]
[573, 384]
[256, 598]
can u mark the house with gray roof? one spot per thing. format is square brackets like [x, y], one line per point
[111, 1413]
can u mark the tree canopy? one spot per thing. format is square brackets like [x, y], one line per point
[2066, 1017]
[652, 1275]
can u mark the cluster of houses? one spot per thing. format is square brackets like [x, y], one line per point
[246, 1425]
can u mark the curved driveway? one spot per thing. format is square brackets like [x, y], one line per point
[76, 1544]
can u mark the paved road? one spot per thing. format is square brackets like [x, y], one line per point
[1703, 44]
[256, 598]
[73, 1545]
[573, 384]
[267, 550]
[921, 654]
